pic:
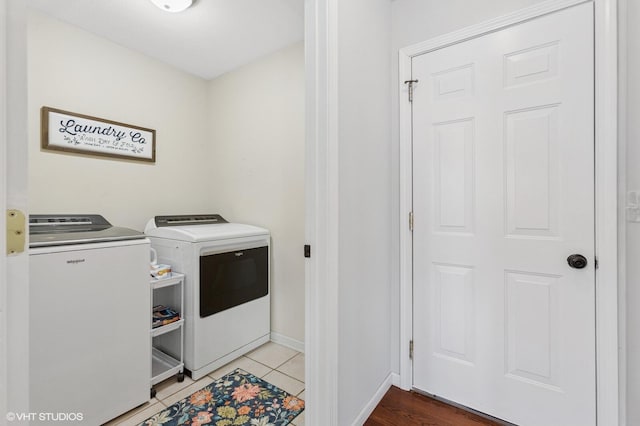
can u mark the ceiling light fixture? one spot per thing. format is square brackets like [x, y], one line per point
[173, 5]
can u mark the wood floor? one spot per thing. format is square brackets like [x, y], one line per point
[401, 408]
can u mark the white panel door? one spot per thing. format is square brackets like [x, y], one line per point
[503, 163]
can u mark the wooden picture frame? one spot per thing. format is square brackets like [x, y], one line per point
[79, 133]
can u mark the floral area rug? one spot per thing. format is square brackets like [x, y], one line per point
[239, 398]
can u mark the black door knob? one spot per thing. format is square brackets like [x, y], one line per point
[577, 261]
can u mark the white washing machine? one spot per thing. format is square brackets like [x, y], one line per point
[226, 267]
[90, 354]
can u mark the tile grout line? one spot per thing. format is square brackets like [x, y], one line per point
[264, 365]
[279, 365]
[125, 417]
[289, 376]
[183, 388]
[272, 369]
[173, 393]
[130, 414]
[261, 363]
[289, 359]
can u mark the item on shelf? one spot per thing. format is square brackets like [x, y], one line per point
[163, 315]
[160, 271]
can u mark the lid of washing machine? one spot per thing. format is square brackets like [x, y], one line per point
[47, 230]
[196, 228]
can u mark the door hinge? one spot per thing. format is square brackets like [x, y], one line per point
[410, 349]
[16, 231]
[307, 250]
[410, 83]
[410, 221]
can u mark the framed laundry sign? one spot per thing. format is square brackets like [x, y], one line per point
[71, 132]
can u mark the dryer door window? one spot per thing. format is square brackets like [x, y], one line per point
[233, 278]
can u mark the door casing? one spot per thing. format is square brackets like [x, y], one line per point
[321, 231]
[14, 285]
[3, 207]
[606, 189]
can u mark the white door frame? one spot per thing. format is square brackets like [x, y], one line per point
[606, 189]
[14, 275]
[321, 206]
[3, 207]
[321, 187]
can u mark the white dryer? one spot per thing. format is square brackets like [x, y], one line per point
[226, 267]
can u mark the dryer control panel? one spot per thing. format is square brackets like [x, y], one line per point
[182, 220]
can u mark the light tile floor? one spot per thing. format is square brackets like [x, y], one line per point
[277, 364]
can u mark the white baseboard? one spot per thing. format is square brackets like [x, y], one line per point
[395, 379]
[375, 400]
[283, 340]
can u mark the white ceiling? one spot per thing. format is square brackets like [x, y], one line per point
[207, 40]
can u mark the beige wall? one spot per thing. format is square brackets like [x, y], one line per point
[256, 117]
[74, 70]
[233, 145]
